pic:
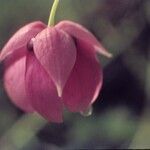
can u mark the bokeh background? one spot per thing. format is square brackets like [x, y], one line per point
[121, 114]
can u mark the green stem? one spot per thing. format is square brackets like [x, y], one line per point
[51, 20]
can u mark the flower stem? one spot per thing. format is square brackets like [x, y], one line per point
[51, 20]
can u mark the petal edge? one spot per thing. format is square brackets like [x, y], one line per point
[56, 52]
[79, 32]
[42, 91]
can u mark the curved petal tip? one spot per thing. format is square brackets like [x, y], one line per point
[103, 52]
[59, 90]
[81, 33]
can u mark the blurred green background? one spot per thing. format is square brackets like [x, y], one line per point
[121, 115]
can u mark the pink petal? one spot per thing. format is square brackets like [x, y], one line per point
[42, 91]
[79, 32]
[56, 52]
[14, 81]
[85, 82]
[19, 40]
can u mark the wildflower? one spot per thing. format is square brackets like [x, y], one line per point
[49, 68]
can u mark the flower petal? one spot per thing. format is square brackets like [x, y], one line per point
[14, 82]
[79, 32]
[85, 81]
[20, 39]
[56, 51]
[42, 91]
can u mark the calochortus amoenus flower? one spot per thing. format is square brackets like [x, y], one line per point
[48, 68]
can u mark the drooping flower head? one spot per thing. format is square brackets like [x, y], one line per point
[49, 68]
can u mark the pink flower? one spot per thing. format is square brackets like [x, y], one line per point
[49, 68]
